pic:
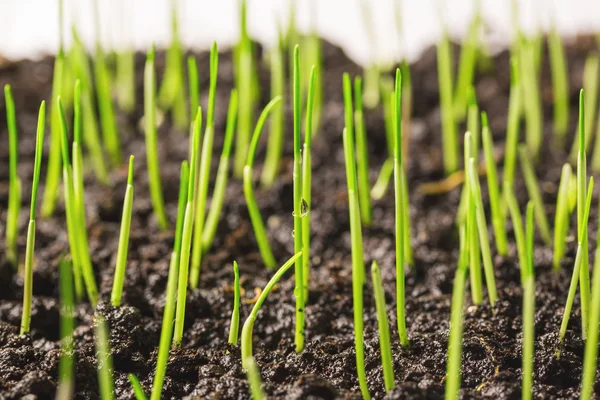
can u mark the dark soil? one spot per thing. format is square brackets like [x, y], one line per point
[207, 367]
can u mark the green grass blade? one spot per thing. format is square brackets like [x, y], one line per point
[562, 216]
[254, 380]
[533, 189]
[104, 359]
[119, 277]
[194, 89]
[473, 252]
[449, 136]
[528, 311]
[138, 390]
[154, 181]
[384, 328]
[484, 242]
[216, 205]
[246, 340]
[234, 326]
[494, 191]
[513, 124]
[383, 180]
[184, 177]
[591, 77]
[531, 98]
[515, 214]
[466, 67]
[362, 162]
[14, 191]
[560, 83]
[66, 366]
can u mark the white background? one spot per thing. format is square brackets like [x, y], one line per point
[29, 28]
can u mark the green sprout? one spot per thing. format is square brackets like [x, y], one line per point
[138, 390]
[471, 233]
[474, 131]
[246, 340]
[66, 366]
[466, 65]
[254, 380]
[110, 135]
[560, 83]
[477, 203]
[300, 206]
[194, 90]
[314, 58]
[216, 204]
[562, 216]
[362, 163]
[306, 180]
[257, 222]
[528, 309]
[186, 238]
[244, 67]
[14, 185]
[383, 179]
[577, 268]
[591, 72]
[235, 314]
[449, 136]
[531, 182]
[453, 367]
[154, 182]
[384, 328]
[515, 214]
[277, 125]
[119, 277]
[28, 273]
[400, 202]
[54, 158]
[494, 191]
[202, 179]
[372, 71]
[358, 264]
[513, 124]
[78, 203]
[591, 344]
[166, 330]
[105, 368]
[172, 91]
[531, 99]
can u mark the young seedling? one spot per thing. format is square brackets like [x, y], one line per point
[581, 195]
[14, 182]
[528, 310]
[449, 136]
[362, 153]
[194, 89]
[277, 125]
[562, 216]
[466, 65]
[473, 129]
[66, 366]
[494, 191]
[484, 242]
[166, 330]
[110, 135]
[300, 206]
[591, 72]
[246, 340]
[186, 237]
[154, 182]
[79, 219]
[28, 273]
[512, 130]
[244, 67]
[216, 204]
[400, 202]
[171, 95]
[138, 390]
[560, 83]
[384, 328]
[530, 90]
[473, 252]
[257, 222]
[234, 326]
[453, 366]
[104, 359]
[119, 277]
[515, 214]
[314, 58]
[254, 380]
[531, 182]
[582, 235]
[203, 170]
[306, 181]
[591, 344]
[358, 264]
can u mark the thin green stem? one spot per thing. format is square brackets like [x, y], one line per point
[560, 83]
[194, 89]
[104, 359]
[591, 77]
[528, 311]
[531, 182]
[472, 250]
[384, 328]
[246, 340]
[138, 390]
[362, 162]
[466, 67]
[562, 216]
[512, 130]
[515, 214]
[66, 366]
[234, 326]
[14, 185]
[254, 380]
[530, 90]
[119, 276]
[449, 136]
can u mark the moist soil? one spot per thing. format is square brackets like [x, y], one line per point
[206, 366]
